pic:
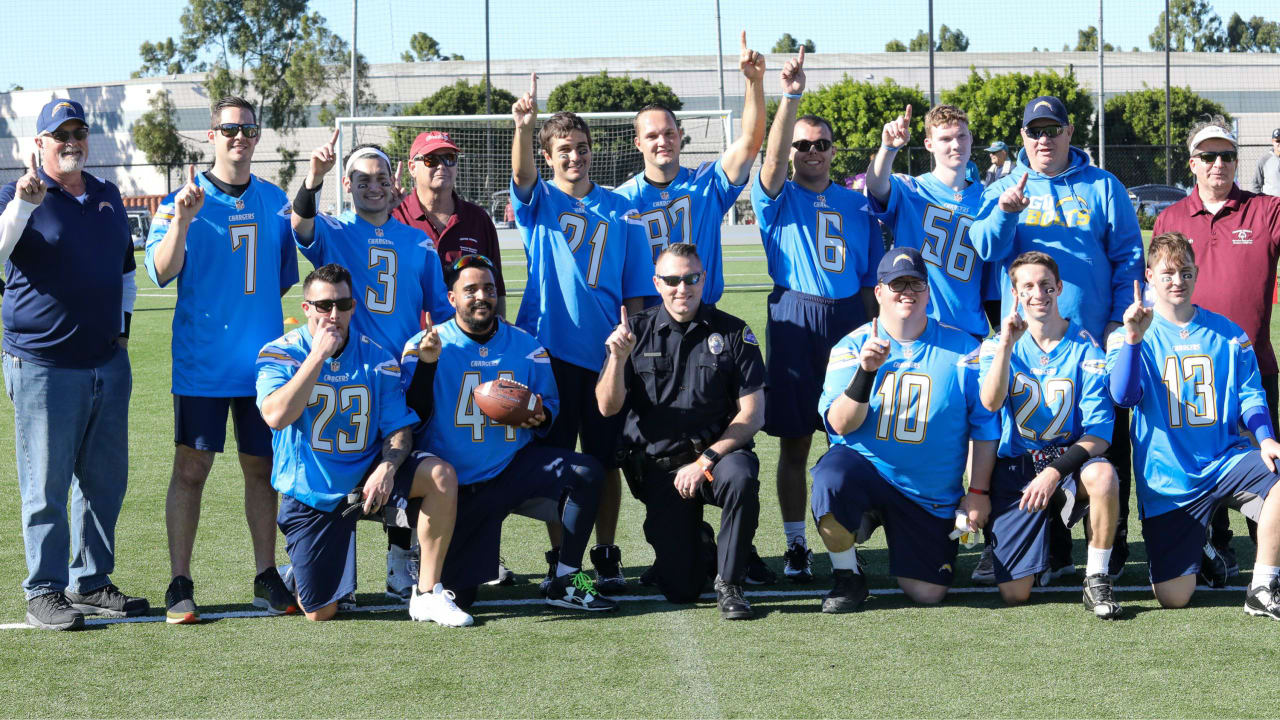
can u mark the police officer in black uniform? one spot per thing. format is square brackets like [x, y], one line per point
[691, 380]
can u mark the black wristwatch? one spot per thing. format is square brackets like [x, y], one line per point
[712, 457]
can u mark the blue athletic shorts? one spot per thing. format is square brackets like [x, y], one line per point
[846, 485]
[1019, 540]
[579, 416]
[322, 543]
[799, 336]
[1175, 539]
[201, 423]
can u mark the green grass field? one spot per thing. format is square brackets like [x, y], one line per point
[968, 657]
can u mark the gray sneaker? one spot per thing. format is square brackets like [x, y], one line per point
[985, 572]
[108, 601]
[52, 611]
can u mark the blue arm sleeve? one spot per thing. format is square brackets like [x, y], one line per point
[1259, 423]
[1126, 389]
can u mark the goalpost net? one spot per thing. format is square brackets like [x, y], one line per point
[484, 167]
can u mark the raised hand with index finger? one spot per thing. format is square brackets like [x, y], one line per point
[897, 132]
[750, 62]
[525, 110]
[1137, 317]
[429, 346]
[31, 187]
[793, 78]
[323, 159]
[1013, 325]
[621, 341]
[1014, 199]
[189, 200]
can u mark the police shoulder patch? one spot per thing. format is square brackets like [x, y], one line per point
[749, 337]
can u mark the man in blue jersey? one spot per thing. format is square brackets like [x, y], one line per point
[585, 260]
[902, 408]
[499, 467]
[1193, 379]
[1057, 202]
[822, 246]
[1047, 378]
[396, 270]
[679, 204]
[334, 400]
[225, 237]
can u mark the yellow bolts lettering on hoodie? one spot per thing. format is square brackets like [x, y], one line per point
[1070, 211]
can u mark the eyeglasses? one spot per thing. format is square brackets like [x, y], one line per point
[473, 260]
[1048, 131]
[675, 280]
[447, 159]
[230, 130]
[62, 136]
[326, 306]
[902, 285]
[822, 145]
[1209, 158]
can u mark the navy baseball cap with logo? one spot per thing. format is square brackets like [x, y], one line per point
[1045, 106]
[899, 263]
[57, 111]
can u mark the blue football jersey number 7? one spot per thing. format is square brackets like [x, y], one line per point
[246, 236]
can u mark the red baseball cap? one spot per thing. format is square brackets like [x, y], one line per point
[431, 141]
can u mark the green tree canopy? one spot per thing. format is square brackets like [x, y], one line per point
[895, 46]
[789, 45]
[1135, 123]
[858, 112]
[994, 103]
[1087, 41]
[1193, 26]
[424, 48]
[610, 93]
[156, 135]
[948, 41]
[1253, 35]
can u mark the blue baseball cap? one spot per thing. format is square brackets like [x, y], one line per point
[1045, 106]
[57, 111]
[899, 263]
[998, 146]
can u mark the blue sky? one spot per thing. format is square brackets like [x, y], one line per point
[100, 45]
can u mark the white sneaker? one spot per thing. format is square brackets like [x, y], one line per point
[437, 606]
[400, 575]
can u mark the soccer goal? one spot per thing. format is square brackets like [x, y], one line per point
[484, 168]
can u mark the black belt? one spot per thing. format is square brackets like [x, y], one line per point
[668, 463]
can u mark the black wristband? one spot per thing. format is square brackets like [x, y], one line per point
[1072, 460]
[859, 389]
[304, 201]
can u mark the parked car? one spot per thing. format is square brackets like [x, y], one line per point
[139, 226]
[1152, 199]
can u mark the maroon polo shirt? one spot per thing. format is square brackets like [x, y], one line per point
[468, 232]
[1236, 250]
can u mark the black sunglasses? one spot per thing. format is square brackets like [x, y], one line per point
[325, 306]
[675, 280]
[822, 145]
[1049, 131]
[230, 130]
[904, 284]
[473, 260]
[448, 160]
[1210, 158]
[62, 136]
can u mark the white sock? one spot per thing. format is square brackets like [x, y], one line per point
[562, 570]
[1263, 575]
[1099, 561]
[794, 532]
[847, 560]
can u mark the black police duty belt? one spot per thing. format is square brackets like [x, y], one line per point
[677, 460]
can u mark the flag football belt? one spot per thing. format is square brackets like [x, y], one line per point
[1044, 457]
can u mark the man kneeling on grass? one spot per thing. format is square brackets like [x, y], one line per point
[338, 418]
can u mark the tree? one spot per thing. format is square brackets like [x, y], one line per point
[156, 135]
[995, 103]
[857, 112]
[919, 43]
[790, 46]
[948, 41]
[424, 48]
[615, 157]
[1135, 132]
[1087, 41]
[895, 46]
[1254, 35]
[1193, 26]
[270, 51]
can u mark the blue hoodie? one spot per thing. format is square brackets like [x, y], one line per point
[1082, 218]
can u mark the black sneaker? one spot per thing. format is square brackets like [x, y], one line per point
[985, 572]
[847, 594]
[607, 560]
[1262, 601]
[108, 601]
[1228, 556]
[576, 591]
[504, 577]
[1213, 569]
[553, 562]
[757, 572]
[270, 593]
[1099, 598]
[733, 606]
[180, 603]
[1119, 556]
[799, 563]
[649, 577]
[52, 611]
